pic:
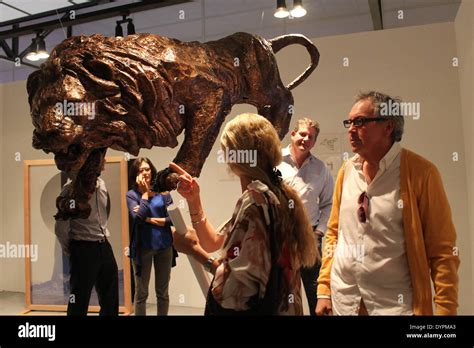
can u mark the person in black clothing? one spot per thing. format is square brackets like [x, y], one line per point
[91, 257]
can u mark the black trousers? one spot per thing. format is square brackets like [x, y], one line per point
[310, 275]
[93, 264]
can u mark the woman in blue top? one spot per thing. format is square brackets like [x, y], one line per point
[152, 240]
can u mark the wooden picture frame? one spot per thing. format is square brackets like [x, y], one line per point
[126, 307]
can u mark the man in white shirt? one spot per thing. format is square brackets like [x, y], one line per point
[310, 177]
[92, 261]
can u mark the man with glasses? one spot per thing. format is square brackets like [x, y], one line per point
[310, 177]
[390, 228]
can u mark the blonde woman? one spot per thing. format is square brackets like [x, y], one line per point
[269, 237]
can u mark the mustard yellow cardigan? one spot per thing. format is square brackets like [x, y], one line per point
[430, 236]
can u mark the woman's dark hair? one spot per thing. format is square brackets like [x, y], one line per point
[132, 175]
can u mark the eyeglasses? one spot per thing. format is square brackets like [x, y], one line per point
[145, 169]
[360, 121]
[363, 209]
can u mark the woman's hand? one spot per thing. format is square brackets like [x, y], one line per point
[142, 184]
[188, 243]
[188, 187]
[144, 188]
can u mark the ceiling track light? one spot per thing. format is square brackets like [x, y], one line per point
[298, 10]
[130, 26]
[32, 55]
[118, 30]
[42, 53]
[281, 10]
[37, 49]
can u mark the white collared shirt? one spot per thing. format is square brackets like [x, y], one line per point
[91, 229]
[370, 259]
[313, 183]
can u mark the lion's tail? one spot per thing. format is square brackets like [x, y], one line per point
[282, 41]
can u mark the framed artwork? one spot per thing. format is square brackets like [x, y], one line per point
[47, 273]
[329, 143]
[329, 149]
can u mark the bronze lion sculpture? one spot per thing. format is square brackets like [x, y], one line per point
[142, 91]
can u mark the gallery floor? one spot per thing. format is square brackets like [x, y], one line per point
[13, 303]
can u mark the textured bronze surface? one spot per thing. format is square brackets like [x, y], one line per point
[96, 92]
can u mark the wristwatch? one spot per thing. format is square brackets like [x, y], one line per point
[208, 264]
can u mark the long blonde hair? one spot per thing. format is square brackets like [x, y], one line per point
[253, 132]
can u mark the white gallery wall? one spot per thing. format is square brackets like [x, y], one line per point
[414, 63]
